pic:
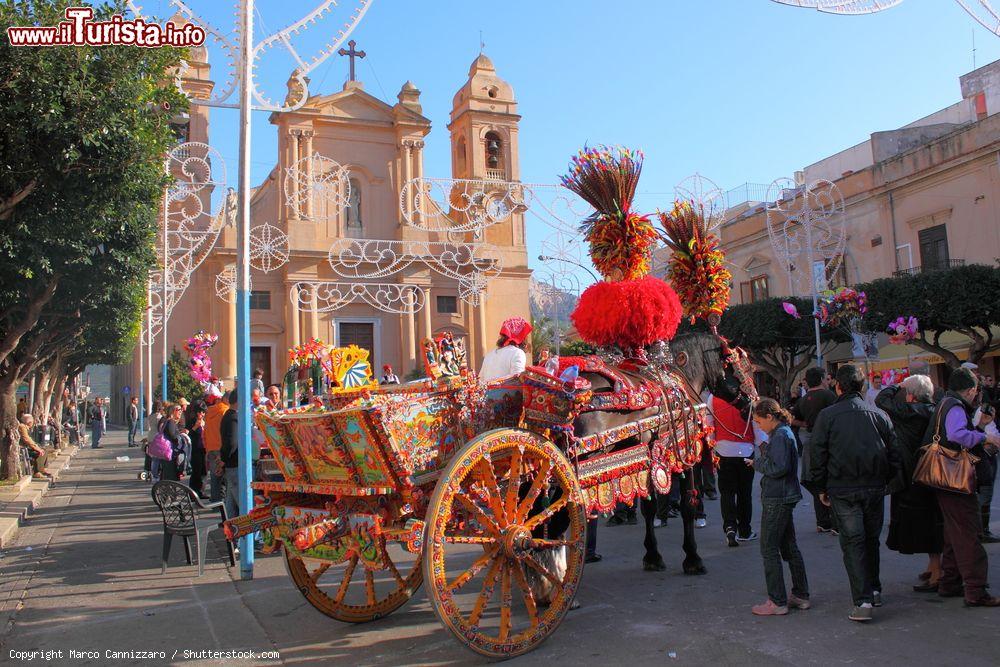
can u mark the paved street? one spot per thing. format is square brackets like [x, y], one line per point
[84, 575]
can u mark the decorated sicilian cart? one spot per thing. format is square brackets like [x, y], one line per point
[483, 492]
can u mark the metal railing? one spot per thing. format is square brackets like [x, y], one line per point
[937, 266]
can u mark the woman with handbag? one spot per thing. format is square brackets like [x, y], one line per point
[915, 525]
[949, 468]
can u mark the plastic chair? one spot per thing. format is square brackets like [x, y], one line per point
[184, 514]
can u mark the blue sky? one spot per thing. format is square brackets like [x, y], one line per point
[737, 90]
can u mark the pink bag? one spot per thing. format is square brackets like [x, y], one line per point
[160, 447]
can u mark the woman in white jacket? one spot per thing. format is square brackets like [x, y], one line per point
[508, 358]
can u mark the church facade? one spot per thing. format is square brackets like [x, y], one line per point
[358, 270]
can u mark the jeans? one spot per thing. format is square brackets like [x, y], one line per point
[777, 543]
[860, 516]
[232, 492]
[96, 431]
[133, 428]
[735, 494]
[215, 484]
[591, 542]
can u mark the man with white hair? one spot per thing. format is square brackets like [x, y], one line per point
[39, 457]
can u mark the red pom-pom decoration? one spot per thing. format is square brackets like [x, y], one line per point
[630, 314]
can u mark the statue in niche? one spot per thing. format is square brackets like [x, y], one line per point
[354, 206]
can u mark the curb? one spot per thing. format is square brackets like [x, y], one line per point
[18, 502]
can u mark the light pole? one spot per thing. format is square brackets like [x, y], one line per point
[245, 52]
[806, 226]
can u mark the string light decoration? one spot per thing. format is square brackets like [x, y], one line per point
[326, 297]
[981, 10]
[317, 188]
[268, 248]
[229, 44]
[705, 196]
[225, 284]
[808, 234]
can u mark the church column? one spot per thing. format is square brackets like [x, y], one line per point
[293, 316]
[294, 141]
[314, 313]
[418, 160]
[428, 304]
[481, 325]
[407, 149]
[308, 139]
[409, 336]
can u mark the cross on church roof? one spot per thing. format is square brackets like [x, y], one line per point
[352, 54]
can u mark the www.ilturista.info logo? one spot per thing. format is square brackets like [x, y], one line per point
[80, 30]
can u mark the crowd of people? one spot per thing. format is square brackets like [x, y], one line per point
[857, 447]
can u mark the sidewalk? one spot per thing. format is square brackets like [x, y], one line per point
[84, 575]
[19, 501]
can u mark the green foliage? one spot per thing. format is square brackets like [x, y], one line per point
[576, 348]
[961, 300]
[179, 380]
[777, 343]
[82, 140]
[542, 334]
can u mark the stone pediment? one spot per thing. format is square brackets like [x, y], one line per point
[354, 104]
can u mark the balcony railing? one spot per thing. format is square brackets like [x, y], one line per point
[937, 266]
[496, 175]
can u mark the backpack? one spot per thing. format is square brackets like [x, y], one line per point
[160, 447]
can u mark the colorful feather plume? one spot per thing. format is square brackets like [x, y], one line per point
[697, 268]
[630, 314]
[621, 241]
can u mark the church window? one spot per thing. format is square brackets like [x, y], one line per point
[494, 150]
[460, 156]
[354, 205]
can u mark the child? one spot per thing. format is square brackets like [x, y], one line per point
[778, 462]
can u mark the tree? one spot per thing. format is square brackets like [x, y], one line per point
[576, 348]
[180, 384]
[961, 300]
[82, 140]
[542, 334]
[777, 343]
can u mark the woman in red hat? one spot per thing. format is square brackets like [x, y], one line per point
[508, 358]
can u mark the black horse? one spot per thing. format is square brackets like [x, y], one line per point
[706, 362]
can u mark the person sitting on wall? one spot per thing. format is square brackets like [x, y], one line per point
[39, 457]
[509, 357]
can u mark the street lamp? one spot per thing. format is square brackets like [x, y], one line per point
[546, 258]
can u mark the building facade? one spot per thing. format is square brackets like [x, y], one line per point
[367, 234]
[918, 198]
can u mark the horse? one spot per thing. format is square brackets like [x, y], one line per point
[705, 361]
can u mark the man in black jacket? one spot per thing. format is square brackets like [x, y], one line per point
[230, 455]
[852, 458]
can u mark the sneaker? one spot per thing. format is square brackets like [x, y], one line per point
[593, 558]
[631, 520]
[823, 529]
[989, 538]
[615, 521]
[749, 538]
[769, 609]
[659, 523]
[700, 523]
[861, 613]
[798, 603]
[711, 495]
[876, 598]
[731, 538]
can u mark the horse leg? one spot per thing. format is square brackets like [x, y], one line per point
[692, 561]
[652, 561]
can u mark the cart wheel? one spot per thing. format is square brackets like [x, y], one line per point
[505, 514]
[350, 592]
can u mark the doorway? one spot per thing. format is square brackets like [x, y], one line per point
[260, 357]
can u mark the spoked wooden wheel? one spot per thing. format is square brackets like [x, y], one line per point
[506, 514]
[352, 593]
